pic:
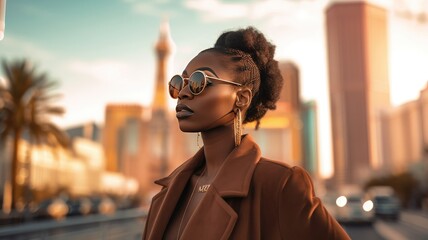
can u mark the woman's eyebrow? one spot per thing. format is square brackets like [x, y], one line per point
[207, 69]
[201, 69]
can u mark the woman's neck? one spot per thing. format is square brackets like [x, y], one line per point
[218, 144]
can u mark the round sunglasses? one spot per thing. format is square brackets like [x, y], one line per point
[197, 82]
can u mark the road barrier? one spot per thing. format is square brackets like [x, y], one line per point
[126, 224]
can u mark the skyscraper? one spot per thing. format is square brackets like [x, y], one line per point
[359, 87]
[291, 90]
[290, 95]
[116, 116]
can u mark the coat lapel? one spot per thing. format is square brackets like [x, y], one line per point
[164, 203]
[213, 218]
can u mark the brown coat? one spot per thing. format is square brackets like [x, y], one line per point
[251, 198]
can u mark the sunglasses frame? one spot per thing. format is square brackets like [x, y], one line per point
[206, 77]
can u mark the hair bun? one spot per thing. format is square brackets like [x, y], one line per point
[267, 88]
[250, 41]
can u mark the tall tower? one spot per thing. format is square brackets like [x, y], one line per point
[159, 124]
[359, 87]
[163, 48]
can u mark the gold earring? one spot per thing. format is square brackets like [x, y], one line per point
[237, 127]
[197, 140]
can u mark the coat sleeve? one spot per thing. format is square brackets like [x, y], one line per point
[301, 214]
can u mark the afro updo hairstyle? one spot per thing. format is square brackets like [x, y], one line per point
[255, 68]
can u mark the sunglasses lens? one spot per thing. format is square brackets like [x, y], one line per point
[175, 86]
[197, 82]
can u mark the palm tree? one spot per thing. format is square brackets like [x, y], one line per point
[25, 106]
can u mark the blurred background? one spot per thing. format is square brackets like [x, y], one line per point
[86, 124]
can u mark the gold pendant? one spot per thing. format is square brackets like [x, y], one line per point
[204, 188]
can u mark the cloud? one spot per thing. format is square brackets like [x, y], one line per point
[219, 11]
[215, 10]
[152, 8]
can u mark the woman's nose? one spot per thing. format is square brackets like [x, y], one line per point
[185, 93]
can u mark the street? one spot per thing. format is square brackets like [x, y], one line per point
[411, 226]
[366, 232]
[129, 224]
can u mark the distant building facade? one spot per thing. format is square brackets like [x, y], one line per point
[309, 120]
[280, 132]
[424, 115]
[116, 116]
[359, 85]
[48, 171]
[405, 144]
[290, 92]
[405, 135]
[88, 130]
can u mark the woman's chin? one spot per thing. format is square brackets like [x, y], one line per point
[186, 128]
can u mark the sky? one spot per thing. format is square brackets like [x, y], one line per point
[102, 51]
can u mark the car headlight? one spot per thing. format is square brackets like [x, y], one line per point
[368, 205]
[58, 209]
[341, 201]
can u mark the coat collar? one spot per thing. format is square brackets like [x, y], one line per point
[233, 179]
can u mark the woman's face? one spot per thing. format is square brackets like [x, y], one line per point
[213, 107]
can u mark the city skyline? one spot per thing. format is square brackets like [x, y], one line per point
[108, 48]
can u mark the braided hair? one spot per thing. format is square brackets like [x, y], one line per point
[253, 56]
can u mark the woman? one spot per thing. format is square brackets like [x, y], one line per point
[227, 190]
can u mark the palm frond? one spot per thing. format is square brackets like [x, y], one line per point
[26, 102]
[53, 111]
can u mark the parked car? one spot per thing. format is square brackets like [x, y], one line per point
[354, 208]
[53, 208]
[386, 203]
[102, 205]
[78, 206]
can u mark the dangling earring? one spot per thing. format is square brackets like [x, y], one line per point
[237, 127]
[197, 140]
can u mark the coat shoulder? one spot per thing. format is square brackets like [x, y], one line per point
[269, 174]
[278, 175]
[269, 169]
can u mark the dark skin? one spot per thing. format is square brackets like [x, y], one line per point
[212, 109]
[212, 116]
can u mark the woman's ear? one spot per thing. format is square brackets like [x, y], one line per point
[243, 98]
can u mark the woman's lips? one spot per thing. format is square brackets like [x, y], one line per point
[183, 111]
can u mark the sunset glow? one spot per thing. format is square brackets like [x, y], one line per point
[106, 54]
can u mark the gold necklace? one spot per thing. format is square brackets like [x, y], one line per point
[204, 188]
[188, 203]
